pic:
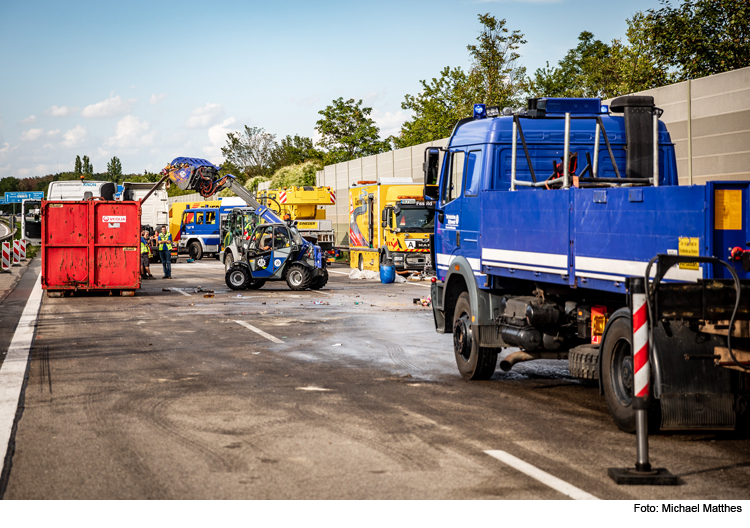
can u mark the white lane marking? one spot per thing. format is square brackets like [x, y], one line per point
[542, 476]
[324, 293]
[313, 389]
[14, 367]
[180, 291]
[260, 332]
[339, 272]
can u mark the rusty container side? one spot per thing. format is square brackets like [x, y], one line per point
[90, 245]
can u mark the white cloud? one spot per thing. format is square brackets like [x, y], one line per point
[206, 116]
[307, 101]
[217, 136]
[74, 137]
[61, 111]
[390, 123]
[29, 120]
[32, 134]
[130, 132]
[23, 172]
[53, 133]
[156, 98]
[112, 107]
[6, 146]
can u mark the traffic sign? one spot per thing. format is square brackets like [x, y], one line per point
[18, 197]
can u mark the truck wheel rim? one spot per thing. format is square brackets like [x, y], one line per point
[622, 372]
[295, 277]
[462, 337]
[237, 278]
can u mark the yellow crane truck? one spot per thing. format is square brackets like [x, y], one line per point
[389, 219]
[306, 207]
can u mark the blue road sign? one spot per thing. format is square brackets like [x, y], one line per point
[18, 197]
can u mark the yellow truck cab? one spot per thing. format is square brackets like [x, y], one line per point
[389, 217]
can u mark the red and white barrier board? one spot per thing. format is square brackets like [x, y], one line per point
[6, 256]
[16, 252]
[641, 367]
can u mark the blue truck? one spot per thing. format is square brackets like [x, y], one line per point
[544, 215]
[200, 230]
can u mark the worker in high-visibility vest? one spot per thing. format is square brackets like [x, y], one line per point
[165, 252]
[145, 256]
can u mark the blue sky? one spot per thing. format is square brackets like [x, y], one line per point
[147, 81]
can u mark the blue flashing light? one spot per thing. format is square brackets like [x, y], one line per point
[480, 111]
[605, 109]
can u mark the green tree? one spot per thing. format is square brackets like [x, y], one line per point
[701, 37]
[495, 74]
[114, 170]
[78, 166]
[88, 169]
[596, 69]
[495, 78]
[294, 150]
[250, 151]
[348, 132]
[437, 107]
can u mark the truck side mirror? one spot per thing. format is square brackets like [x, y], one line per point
[431, 167]
[384, 217]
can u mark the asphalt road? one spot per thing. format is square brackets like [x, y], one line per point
[173, 395]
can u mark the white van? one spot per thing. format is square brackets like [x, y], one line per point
[81, 190]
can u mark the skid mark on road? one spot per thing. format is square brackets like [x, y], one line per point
[542, 476]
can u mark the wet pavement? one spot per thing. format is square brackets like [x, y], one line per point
[345, 393]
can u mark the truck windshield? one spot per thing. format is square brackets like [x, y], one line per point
[415, 220]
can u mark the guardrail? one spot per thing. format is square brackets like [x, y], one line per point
[10, 235]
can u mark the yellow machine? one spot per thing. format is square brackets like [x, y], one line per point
[389, 219]
[305, 206]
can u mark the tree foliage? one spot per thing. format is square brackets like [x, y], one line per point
[250, 152]
[495, 78]
[114, 170]
[87, 168]
[701, 37]
[294, 150]
[296, 175]
[348, 132]
[78, 167]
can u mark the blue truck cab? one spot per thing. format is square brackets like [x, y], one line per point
[542, 216]
[200, 230]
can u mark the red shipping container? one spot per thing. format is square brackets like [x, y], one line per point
[91, 245]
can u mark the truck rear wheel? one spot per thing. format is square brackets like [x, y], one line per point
[195, 250]
[474, 362]
[617, 377]
[361, 263]
[237, 278]
[298, 277]
[583, 362]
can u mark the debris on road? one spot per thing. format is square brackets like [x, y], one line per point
[364, 274]
[208, 295]
[424, 301]
[336, 344]
[325, 303]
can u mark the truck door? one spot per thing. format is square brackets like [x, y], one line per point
[187, 225]
[470, 211]
[448, 240]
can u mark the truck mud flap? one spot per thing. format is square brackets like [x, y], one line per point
[698, 411]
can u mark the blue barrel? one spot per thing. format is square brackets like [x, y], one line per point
[387, 274]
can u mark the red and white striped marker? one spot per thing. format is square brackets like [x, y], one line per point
[641, 366]
[6, 255]
[22, 249]
[16, 252]
[333, 197]
[282, 197]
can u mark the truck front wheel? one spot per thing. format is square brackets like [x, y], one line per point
[195, 250]
[474, 362]
[237, 278]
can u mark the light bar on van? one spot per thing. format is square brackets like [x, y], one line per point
[493, 111]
